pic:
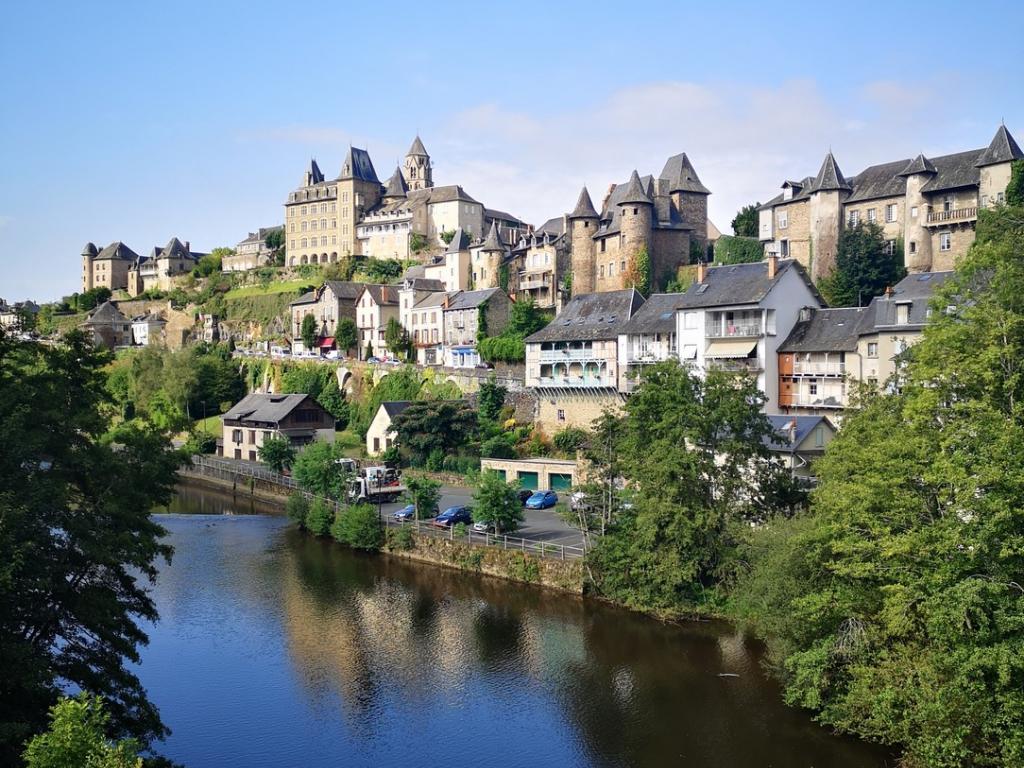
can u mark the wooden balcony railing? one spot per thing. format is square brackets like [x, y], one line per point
[953, 216]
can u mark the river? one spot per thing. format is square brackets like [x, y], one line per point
[276, 649]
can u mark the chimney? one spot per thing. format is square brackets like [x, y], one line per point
[773, 265]
[702, 270]
[889, 292]
[188, 246]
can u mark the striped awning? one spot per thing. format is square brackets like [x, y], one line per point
[731, 348]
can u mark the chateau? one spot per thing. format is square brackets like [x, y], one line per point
[663, 216]
[929, 206]
[118, 267]
[355, 214]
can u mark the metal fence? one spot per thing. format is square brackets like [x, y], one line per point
[232, 472]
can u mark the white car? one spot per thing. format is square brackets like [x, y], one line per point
[332, 355]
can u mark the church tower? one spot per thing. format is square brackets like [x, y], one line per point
[417, 171]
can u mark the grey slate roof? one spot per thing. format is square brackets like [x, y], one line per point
[829, 177]
[382, 295]
[739, 284]
[919, 164]
[306, 298]
[423, 284]
[636, 191]
[344, 289]
[357, 165]
[828, 330]
[1002, 149]
[591, 317]
[471, 299]
[886, 180]
[790, 431]
[493, 241]
[492, 213]
[417, 147]
[657, 315]
[396, 185]
[584, 207]
[394, 407]
[955, 171]
[265, 408]
[89, 249]
[460, 241]
[553, 227]
[917, 290]
[681, 176]
[107, 312]
[315, 174]
[433, 299]
[118, 250]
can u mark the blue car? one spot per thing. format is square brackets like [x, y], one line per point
[407, 512]
[542, 500]
[454, 516]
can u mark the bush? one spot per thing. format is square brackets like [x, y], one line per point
[297, 508]
[435, 461]
[199, 443]
[523, 568]
[569, 440]
[738, 250]
[460, 530]
[504, 349]
[460, 465]
[359, 528]
[400, 539]
[319, 518]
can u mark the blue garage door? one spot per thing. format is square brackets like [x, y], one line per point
[560, 482]
[528, 480]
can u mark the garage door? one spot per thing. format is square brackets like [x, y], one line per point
[528, 480]
[560, 482]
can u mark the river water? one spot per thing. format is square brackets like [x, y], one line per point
[276, 649]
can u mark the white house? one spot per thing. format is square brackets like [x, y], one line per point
[379, 435]
[376, 305]
[147, 329]
[735, 317]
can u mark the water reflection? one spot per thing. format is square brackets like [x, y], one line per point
[277, 649]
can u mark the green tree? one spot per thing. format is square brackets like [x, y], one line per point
[439, 425]
[77, 738]
[316, 470]
[425, 494]
[418, 243]
[346, 335]
[863, 267]
[525, 318]
[569, 440]
[320, 517]
[92, 298]
[738, 250]
[382, 270]
[491, 399]
[691, 507]
[359, 527]
[744, 223]
[638, 271]
[297, 508]
[308, 331]
[77, 543]
[397, 339]
[447, 236]
[212, 261]
[1015, 189]
[602, 494]
[496, 502]
[277, 453]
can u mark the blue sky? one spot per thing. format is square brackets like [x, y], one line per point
[142, 121]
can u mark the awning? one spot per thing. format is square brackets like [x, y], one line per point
[731, 348]
[327, 342]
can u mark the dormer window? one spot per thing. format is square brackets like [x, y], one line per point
[903, 313]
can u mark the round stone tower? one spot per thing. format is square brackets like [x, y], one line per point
[88, 254]
[917, 247]
[636, 212]
[583, 223]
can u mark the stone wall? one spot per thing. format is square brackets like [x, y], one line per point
[555, 412]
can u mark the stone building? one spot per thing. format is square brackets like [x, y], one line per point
[486, 260]
[462, 314]
[107, 268]
[108, 327]
[258, 417]
[539, 263]
[250, 253]
[927, 205]
[162, 267]
[661, 216]
[328, 304]
[376, 305]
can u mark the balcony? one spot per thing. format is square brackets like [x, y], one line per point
[733, 330]
[650, 356]
[804, 400]
[811, 368]
[954, 216]
[575, 381]
[734, 365]
[531, 282]
[565, 355]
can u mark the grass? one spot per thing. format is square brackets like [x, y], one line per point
[286, 286]
[350, 443]
[210, 425]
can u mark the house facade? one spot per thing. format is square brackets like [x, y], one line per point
[572, 364]
[797, 442]
[148, 329]
[252, 252]
[926, 205]
[426, 327]
[258, 417]
[107, 268]
[539, 263]
[462, 316]
[108, 327]
[379, 435]
[162, 267]
[328, 304]
[648, 337]
[376, 305]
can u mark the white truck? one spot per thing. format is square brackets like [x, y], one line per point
[373, 484]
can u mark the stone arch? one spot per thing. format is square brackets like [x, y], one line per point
[576, 370]
[305, 260]
[334, 257]
[345, 380]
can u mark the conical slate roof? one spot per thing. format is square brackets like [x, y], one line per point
[460, 241]
[493, 241]
[635, 192]
[315, 175]
[681, 176]
[396, 185]
[830, 178]
[358, 165]
[919, 164]
[90, 249]
[1003, 149]
[417, 148]
[584, 207]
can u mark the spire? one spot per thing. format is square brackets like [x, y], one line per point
[584, 207]
[830, 178]
[460, 241]
[635, 192]
[681, 176]
[493, 241]
[417, 147]
[313, 173]
[396, 185]
[919, 164]
[358, 165]
[1002, 149]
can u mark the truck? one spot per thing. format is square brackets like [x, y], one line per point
[377, 483]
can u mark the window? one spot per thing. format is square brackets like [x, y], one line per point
[323, 240]
[889, 248]
[252, 455]
[913, 211]
[312, 224]
[890, 212]
[291, 244]
[913, 246]
[252, 437]
[945, 241]
[689, 351]
[323, 223]
[603, 244]
[783, 219]
[623, 267]
[902, 313]
[947, 203]
[690, 320]
[853, 218]
[600, 271]
[611, 269]
[872, 349]
[303, 211]
[812, 388]
[236, 435]
[561, 415]
[871, 215]
[784, 248]
[819, 437]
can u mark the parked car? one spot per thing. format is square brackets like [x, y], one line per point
[373, 359]
[454, 516]
[408, 512]
[542, 500]
[524, 494]
[332, 354]
[483, 527]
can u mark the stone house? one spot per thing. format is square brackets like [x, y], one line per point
[427, 328]
[538, 265]
[462, 316]
[250, 253]
[162, 267]
[929, 205]
[107, 268]
[572, 364]
[735, 317]
[486, 260]
[108, 327]
[829, 351]
[380, 436]
[376, 305]
[258, 417]
[328, 304]
[661, 216]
